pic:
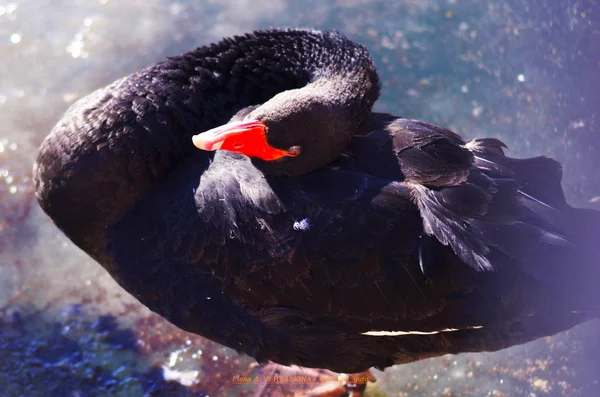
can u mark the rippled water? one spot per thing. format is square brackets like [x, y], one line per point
[525, 71]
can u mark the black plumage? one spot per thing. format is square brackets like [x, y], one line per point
[380, 224]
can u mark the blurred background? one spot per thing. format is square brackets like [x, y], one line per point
[527, 72]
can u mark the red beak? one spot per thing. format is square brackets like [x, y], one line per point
[246, 137]
[215, 138]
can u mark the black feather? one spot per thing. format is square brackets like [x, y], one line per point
[399, 216]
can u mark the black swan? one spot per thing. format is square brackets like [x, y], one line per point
[311, 230]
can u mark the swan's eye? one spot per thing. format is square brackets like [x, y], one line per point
[293, 151]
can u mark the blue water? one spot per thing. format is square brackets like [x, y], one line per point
[527, 72]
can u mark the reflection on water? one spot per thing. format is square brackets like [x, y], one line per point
[527, 72]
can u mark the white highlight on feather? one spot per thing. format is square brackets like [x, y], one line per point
[473, 145]
[482, 159]
[303, 225]
[554, 239]
[404, 333]
[519, 191]
[536, 200]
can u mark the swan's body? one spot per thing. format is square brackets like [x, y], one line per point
[401, 242]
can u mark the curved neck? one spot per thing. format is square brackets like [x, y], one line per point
[117, 143]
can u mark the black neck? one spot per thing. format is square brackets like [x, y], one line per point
[131, 134]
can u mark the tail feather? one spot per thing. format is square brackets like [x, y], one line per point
[551, 241]
[512, 213]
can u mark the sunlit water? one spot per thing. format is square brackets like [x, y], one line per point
[527, 72]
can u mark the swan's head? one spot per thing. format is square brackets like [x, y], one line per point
[295, 132]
